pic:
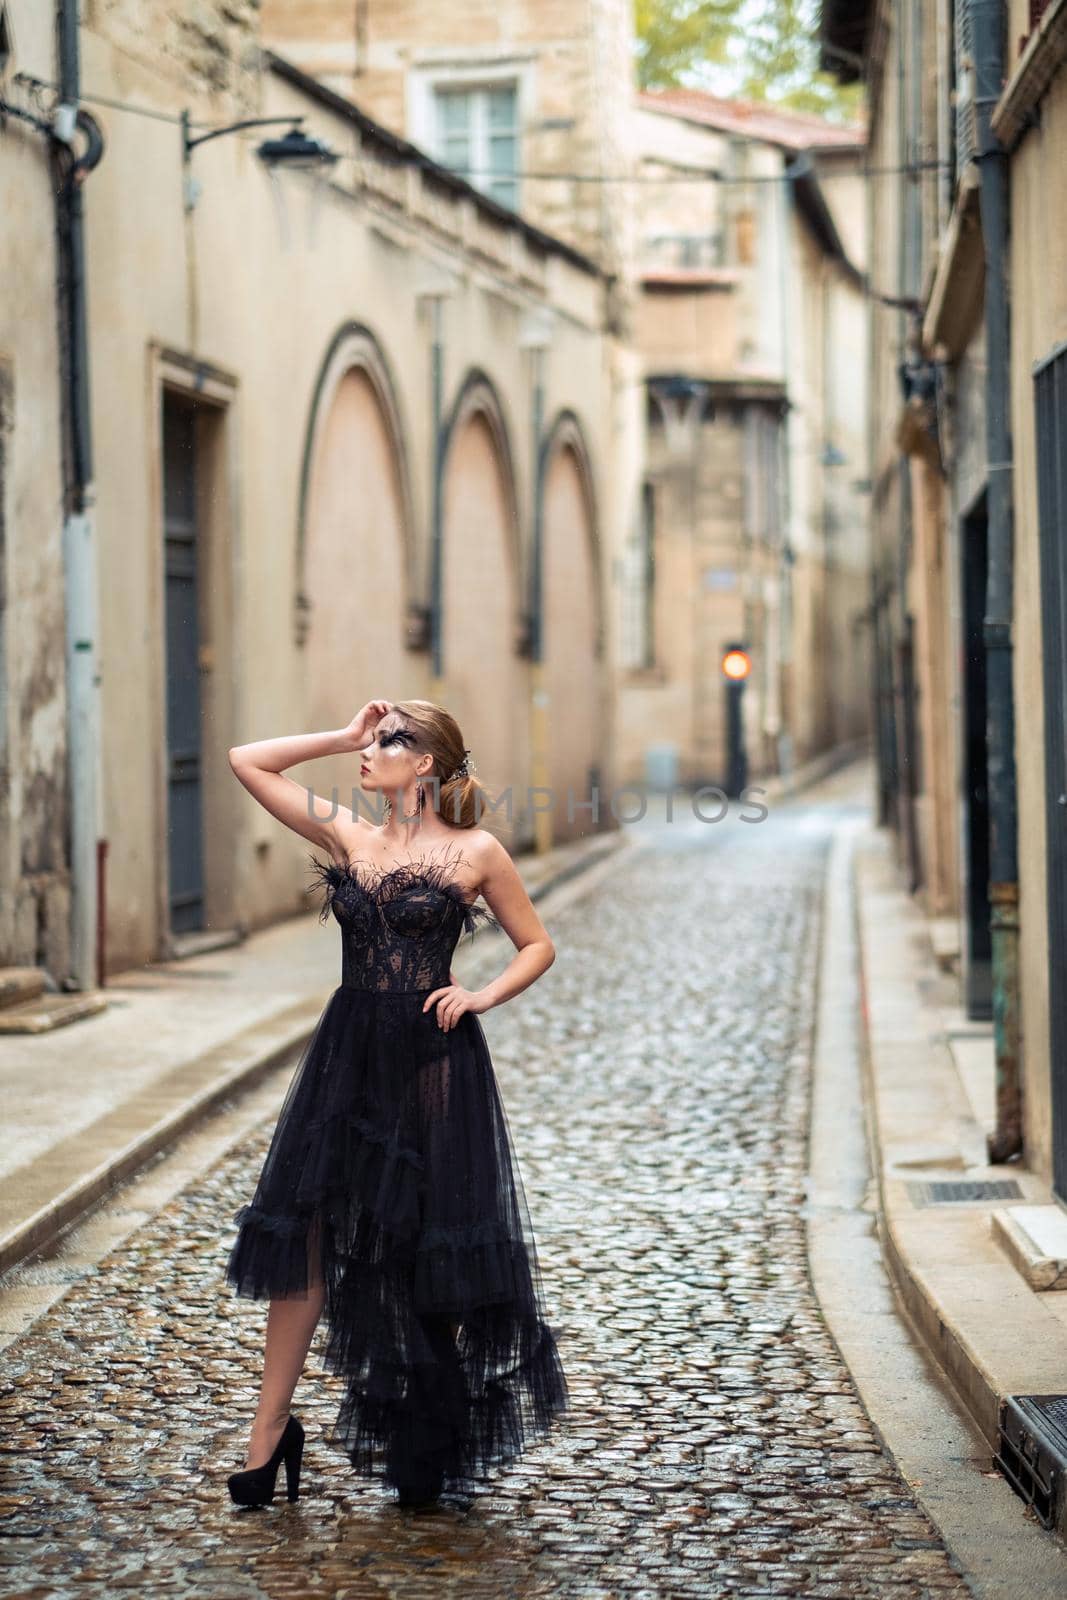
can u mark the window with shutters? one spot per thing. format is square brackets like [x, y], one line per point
[477, 135]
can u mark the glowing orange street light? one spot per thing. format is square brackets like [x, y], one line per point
[736, 664]
[735, 668]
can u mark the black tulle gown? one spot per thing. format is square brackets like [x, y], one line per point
[392, 1163]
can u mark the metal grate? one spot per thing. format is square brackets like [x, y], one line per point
[1032, 1452]
[963, 1191]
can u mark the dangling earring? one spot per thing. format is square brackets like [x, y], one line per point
[387, 809]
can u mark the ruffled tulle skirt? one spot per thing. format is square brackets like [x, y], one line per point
[391, 1178]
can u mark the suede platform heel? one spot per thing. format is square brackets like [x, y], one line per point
[255, 1485]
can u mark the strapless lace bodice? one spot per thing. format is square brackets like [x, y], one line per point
[399, 925]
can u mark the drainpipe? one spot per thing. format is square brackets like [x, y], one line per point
[903, 660]
[1007, 1139]
[437, 361]
[787, 213]
[435, 287]
[87, 962]
[542, 820]
[535, 335]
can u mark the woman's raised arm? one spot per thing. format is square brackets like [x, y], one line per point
[260, 767]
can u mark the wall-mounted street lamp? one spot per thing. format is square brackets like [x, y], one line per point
[296, 150]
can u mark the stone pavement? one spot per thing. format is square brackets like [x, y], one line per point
[657, 1082]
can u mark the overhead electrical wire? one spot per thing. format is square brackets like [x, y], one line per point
[706, 175]
[700, 176]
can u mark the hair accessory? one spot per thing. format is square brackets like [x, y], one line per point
[464, 769]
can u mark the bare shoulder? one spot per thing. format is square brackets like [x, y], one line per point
[504, 890]
[345, 833]
[483, 849]
[491, 860]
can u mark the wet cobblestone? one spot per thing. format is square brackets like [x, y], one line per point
[656, 1082]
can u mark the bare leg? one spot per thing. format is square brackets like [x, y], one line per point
[291, 1324]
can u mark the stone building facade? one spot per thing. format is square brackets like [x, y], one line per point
[246, 532]
[534, 97]
[968, 222]
[749, 247]
[262, 348]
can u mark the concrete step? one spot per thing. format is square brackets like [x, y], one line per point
[945, 939]
[20, 983]
[46, 1195]
[1034, 1238]
[47, 1011]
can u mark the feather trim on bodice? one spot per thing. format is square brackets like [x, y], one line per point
[378, 885]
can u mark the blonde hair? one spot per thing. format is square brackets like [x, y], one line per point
[439, 735]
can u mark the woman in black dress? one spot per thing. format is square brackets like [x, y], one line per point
[390, 1199]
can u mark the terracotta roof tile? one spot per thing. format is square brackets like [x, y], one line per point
[794, 130]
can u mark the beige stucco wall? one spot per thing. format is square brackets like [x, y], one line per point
[34, 802]
[482, 582]
[1038, 266]
[736, 226]
[354, 574]
[690, 329]
[574, 605]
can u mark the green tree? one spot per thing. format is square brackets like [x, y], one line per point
[675, 38]
[756, 49]
[779, 61]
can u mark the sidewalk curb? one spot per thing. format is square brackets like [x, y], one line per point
[194, 1088]
[917, 1415]
[988, 1331]
[291, 1029]
[971, 1385]
[812, 772]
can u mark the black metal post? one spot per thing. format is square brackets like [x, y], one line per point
[437, 511]
[736, 755]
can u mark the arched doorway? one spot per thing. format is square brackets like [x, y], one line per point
[353, 549]
[482, 674]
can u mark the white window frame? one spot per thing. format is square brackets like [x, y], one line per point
[424, 81]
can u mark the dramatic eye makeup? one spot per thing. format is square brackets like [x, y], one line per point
[396, 736]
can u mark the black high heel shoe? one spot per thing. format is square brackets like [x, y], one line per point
[255, 1485]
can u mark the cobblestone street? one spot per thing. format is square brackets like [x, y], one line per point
[657, 1082]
